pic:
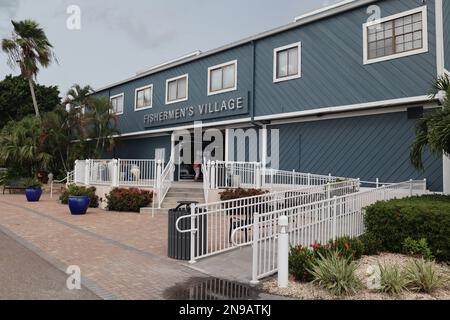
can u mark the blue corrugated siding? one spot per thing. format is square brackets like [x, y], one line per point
[132, 121]
[366, 147]
[333, 73]
[142, 148]
[447, 33]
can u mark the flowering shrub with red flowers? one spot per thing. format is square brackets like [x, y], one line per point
[128, 200]
[301, 259]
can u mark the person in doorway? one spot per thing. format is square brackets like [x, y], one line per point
[197, 169]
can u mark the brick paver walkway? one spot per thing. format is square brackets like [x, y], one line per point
[121, 255]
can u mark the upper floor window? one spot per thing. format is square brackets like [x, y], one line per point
[222, 78]
[177, 89]
[143, 98]
[117, 104]
[396, 36]
[287, 62]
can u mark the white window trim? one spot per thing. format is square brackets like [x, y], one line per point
[275, 52]
[187, 89]
[226, 64]
[151, 98]
[123, 107]
[422, 9]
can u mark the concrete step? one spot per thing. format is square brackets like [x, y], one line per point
[187, 195]
[190, 190]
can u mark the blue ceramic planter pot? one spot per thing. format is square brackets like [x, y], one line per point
[79, 205]
[33, 195]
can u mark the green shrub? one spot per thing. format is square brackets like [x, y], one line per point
[372, 244]
[417, 248]
[336, 274]
[348, 247]
[300, 261]
[78, 191]
[424, 276]
[392, 279]
[32, 183]
[425, 217]
[128, 200]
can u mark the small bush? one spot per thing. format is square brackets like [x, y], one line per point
[336, 274]
[300, 261]
[417, 248]
[78, 191]
[372, 244]
[349, 247]
[233, 194]
[392, 279]
[425, 217]
[423, 276]
[128, 200]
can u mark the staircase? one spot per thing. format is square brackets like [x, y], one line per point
[180, 191]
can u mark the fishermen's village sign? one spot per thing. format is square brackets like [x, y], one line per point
[223, 108]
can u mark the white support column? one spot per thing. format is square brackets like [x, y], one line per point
[263, 150]
[115, 173]
[172, 147]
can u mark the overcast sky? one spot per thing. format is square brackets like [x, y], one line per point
[121, 37]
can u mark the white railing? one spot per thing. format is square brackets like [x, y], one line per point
[214, 223]
[101, 172]
[229, 174]
[116, 173]
[137, 173]
[318, 222]
[164, 180]
[80, 171]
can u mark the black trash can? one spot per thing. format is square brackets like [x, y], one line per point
[179, 246]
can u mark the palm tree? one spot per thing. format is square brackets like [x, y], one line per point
[28, 48]
[433, 130]
[102, 124]
[78, 96]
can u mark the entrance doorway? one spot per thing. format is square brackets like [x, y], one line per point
[188, 168]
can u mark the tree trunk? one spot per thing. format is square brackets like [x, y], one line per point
[33, 96]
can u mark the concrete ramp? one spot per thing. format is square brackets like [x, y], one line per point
[235, 265]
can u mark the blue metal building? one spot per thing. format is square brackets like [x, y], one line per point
[344, 86]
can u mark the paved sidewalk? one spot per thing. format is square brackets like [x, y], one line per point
[26, 276]
[121, 255]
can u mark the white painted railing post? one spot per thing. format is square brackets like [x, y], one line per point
[258, 175]
[158, 181]
[334, 218]
[328, 186]
[411, 188]
[329, 177]
[425, 185]
[293, 178]
[271, 178]
[255, 249]
[115, 173]
[309, 179]
[193, 231]
[283, 252]
[87, 171]
[378, 183]
[213, 174]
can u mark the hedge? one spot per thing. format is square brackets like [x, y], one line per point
[426, 217]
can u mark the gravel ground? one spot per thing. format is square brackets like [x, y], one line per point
[310, 291]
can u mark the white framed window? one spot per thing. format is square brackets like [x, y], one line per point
[143, 98]
[177, 89]
[117, 104]
[396, 36]
[222, 78]
[287, 62]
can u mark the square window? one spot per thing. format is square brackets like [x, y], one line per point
[222, 78]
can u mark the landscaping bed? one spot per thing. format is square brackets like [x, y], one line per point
[311, 291]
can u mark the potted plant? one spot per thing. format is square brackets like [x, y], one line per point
[33, 190]
[79, 199]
